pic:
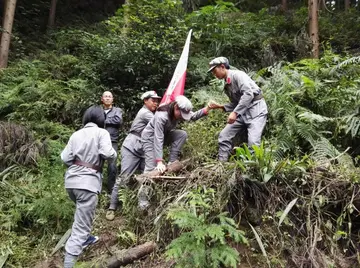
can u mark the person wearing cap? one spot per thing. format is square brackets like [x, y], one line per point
[132, 155]
[247, 107]
[113, 121]
[161, 131]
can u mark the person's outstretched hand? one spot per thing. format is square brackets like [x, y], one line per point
[160, 167]
[214, 105]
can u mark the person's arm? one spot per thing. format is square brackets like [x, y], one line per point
[114, 117]
[67, 155]
[159, 129]
[229, 107]
[148, 116]
[105, 147]
[244, 83]
[199, 114]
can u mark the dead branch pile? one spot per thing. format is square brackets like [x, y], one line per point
[17, 145]
[320, 230]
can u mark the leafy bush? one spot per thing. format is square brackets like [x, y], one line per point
[205, 239]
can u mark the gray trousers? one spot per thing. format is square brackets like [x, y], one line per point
[254, 128]
[112, 170]
[175, 138]
[86, 202]
[130, 163]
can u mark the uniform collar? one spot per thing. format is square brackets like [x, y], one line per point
[91, 124]
[228, 78]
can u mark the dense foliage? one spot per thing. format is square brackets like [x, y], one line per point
[313, 123]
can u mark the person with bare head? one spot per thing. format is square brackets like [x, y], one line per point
[132, 154]
[84, 156]
[113, 122]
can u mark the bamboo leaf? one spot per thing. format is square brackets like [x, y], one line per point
[3, 259]
[61, 241]
[287, 210]
[261, 245]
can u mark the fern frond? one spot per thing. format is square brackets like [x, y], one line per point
[351, 61]
[323, 149]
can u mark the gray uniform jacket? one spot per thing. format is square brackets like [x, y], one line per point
[132, 141]
[90, 144]
[113, 121]
[241, 90]
[160, 126]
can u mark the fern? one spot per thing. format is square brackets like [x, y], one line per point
[351, 61]
[204, 241]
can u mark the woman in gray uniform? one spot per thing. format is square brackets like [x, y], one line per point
[161, 131]
[84, 155]
[132, 155]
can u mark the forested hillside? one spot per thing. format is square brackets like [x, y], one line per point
[294, 202]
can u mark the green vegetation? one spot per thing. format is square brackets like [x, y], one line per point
[310, 150]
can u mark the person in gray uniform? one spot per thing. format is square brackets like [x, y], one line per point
[113, 122]
[84, 156]
[161, 131]
[132, 155]
[247, 107]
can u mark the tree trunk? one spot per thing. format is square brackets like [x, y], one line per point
[322, 4]
[9, 13]
[347, 5]
[314, 27]
[52, 13]
[284, 5]
[121, 258]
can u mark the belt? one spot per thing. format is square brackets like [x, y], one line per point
[258, 97]
[88, 165]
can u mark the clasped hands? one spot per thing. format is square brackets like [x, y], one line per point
[214, 105]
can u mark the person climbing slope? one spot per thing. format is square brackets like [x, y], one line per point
[132, 154]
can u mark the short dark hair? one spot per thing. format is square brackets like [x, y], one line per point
[96, 115]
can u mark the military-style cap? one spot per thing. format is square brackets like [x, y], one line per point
[185, 107]
[217, 61]
[150, 94]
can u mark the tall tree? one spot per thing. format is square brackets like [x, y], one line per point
[52, 13]
[322, 4]
[9, 12]
[347, 4]
[314, 26]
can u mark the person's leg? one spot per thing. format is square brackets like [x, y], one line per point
[226, 137]
[129, 164]
[142, 165]
[144, 195]
[255, 129]
[86, 202]
[146, 164]
[112, 170]
[150, 162]
[176, 139]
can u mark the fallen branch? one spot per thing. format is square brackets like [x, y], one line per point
[171, 168]
[130, 255]
[168, 177]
